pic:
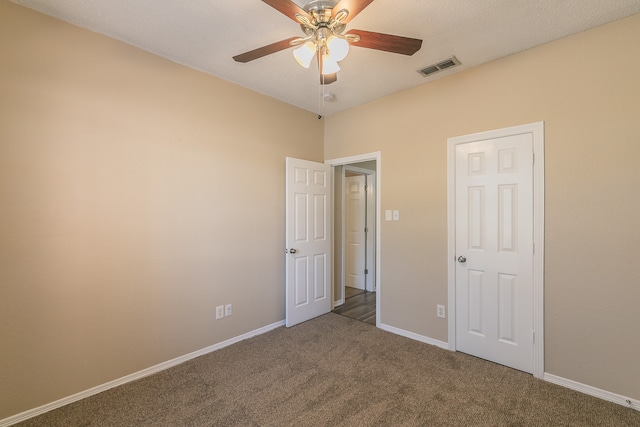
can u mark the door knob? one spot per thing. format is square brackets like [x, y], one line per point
[292, 251]
[462, 259]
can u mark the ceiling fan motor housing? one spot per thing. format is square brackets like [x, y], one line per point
[320, 5]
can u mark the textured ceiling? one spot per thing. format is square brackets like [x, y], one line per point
[206, 34]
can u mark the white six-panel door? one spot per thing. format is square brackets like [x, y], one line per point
[308, 240]
[494, 250]
[355, 205]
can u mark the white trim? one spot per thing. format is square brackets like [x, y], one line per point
[14, 419]
[31, 413]
[333, 234]
[593, 391]
[362, 171]
[537, 130]
[374, 155]
[414, 336]
[343, 176]
[538, 242]
[377, 156]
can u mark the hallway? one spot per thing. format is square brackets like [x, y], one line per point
[359, 304]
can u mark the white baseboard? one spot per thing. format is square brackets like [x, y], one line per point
[414, 336]
[593, 391]
[573, 385]
[132, 377]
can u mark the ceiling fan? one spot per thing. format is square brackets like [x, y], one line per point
[323, 22]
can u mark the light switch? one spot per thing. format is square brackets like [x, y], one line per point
[388, 216]
[396, 215]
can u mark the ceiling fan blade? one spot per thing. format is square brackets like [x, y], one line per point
[288, 8]
[387, 42]
[353, 6]
[327, 79]
[264, 50]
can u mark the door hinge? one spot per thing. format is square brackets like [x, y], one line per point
[366, 229]
[533, 336]
[366, 271]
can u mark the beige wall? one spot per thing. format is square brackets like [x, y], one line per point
[586, 89]
[133, 191]
[134, 194]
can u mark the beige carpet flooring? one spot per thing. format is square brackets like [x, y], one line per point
[335, 371]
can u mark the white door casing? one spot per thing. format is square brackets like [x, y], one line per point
[308, 240]
[495, 219]
[377, 201]
[355, 240]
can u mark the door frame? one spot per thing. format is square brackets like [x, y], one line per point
[343, 161]
[371, 210]
[537, 131]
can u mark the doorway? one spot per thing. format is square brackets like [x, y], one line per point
[357, 237]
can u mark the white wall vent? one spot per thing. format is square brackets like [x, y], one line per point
[439, 66]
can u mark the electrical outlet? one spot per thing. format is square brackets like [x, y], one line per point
[228, 310]
[441, 311]
[219, 312]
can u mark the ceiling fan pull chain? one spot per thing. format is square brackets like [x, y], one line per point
[320, 98]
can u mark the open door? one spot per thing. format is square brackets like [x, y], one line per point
[308, 240]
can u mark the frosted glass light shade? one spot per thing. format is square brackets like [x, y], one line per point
[338, 48]
[304, 54]
[329, 65]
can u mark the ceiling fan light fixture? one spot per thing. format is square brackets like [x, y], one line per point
[338, 48]
[304, 54]
[324, 23]
[329, 65]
